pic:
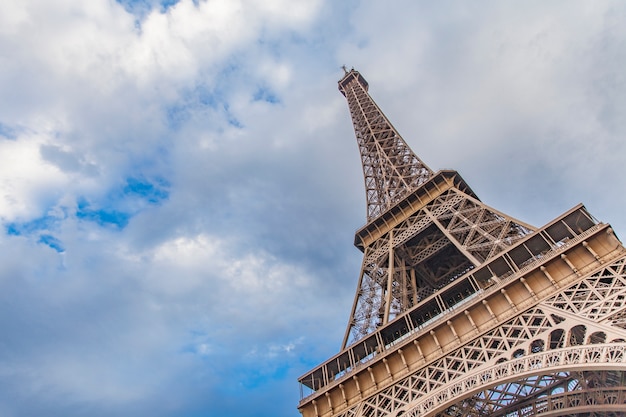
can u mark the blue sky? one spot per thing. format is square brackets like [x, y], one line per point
[180, 184]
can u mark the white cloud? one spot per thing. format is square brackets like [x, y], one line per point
[26, 181]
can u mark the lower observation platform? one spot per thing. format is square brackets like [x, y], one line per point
[535, 269]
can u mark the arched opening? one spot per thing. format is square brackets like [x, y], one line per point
[537, 346]
[597, 337]
[556, 339]
[577, 335]
[518, 354]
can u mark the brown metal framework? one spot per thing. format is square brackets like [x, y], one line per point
[390, 167]
[424, 229]
[461, 310]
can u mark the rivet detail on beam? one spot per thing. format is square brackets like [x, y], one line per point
[570, 264]
[530, 290]
[508, 299]
[591, 251]
[471, 320]
[434, 335]
[547, 274]
[486, 304]
[456, 336]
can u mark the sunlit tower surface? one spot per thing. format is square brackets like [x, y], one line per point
[462, 310]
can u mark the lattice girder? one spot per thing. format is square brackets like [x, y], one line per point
[391, 170]
[445, 371]
[467, 232]
[499, 387]
[525, 325]
[560, 393]
[503, 342]
[506, 339]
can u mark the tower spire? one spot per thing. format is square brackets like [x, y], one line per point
[391, 169]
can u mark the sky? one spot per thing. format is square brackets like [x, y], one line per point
[180, 183]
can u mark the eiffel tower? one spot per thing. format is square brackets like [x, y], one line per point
[462, 310]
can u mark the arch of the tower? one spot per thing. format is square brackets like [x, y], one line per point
[565, 381]
[584, 393]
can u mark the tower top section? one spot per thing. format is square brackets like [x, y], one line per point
[390, 168]
[351, 76]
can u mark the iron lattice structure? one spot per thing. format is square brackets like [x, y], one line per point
[461, 310]
[390, 167]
